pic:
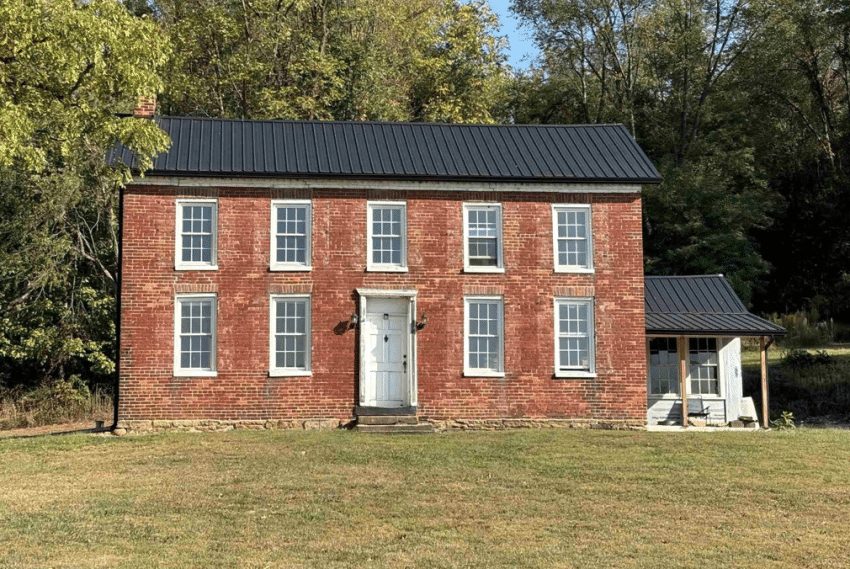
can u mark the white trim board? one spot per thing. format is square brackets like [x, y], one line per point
[341, 183]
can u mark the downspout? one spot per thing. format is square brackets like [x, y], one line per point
[118, 286]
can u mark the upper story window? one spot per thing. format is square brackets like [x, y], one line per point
[574, 337]
[484, 336]
[291, 235]
[482, 238]
[572, 238]
[195, 335]
[197, 228]
[387, 236]
[290, 335]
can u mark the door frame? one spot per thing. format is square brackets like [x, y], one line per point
[411, 389]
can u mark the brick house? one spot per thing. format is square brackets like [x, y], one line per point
[314, 273]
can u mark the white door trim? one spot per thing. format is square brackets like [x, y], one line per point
[411, 388]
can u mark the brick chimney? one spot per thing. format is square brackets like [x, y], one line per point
[146, 107]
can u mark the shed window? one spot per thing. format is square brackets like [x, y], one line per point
[663, 366]
[703, 366]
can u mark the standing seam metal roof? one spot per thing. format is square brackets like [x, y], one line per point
[699, 305]
[412, 151]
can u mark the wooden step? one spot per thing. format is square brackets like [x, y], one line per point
[398, 429]
[387, 420]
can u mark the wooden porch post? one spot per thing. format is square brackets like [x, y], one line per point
[764, 406]
[683, 378]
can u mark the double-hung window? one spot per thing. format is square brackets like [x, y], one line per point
[484, 336]
[290, 335]
[573, 242]
[196, 243]
[574, 338]
[703, 366]
[291, 235]
[387, 236]
[195, 335]
[482, 238]
[663, 366]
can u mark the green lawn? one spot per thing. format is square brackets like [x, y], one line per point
[498, 499]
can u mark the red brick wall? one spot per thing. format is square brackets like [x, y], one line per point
[243, 282]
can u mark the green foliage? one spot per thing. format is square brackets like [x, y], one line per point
[432, 60]
[804, 329]
[52, 402]
[784, 422]
[68, 70]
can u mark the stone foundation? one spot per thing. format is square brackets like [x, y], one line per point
[209, 425]
[520, 423]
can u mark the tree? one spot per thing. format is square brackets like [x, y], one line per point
[67, 71]
[332, 59]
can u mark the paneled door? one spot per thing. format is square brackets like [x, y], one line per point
[386, 330]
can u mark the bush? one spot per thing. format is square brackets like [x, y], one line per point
[804, 329]
[800, 359]
[53, 402]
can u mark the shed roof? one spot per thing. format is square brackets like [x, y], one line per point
[401, 151]
[700, 305]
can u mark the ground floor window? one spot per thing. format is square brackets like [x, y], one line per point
[290, 337]
[703, 370]
[195, 334]
[703, 366]
[484, 336]
[663, 366]
[574, 337]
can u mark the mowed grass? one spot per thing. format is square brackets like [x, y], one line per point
[497, 499]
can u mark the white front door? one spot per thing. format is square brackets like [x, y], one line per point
[386, 331]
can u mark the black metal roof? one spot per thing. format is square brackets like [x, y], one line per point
[700, 305]
[401, 151]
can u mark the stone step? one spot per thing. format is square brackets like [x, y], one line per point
[387, 420]
[401, 429]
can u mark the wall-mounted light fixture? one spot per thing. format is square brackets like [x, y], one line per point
[421, 324]
[352, 322]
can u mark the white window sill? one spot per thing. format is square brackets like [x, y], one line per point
[194, 373]
[289, 373]
[677, 397]
[575, 270]
[482, 373]
[566, 374]
[385, 269]
[483, 269]
[195, 267]
[290, 268]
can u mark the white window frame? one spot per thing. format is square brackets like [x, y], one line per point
[500, 260]
[181, 265]
[196, 372]
[677, 370]
[588, 268]
[591, 344]
[480, 372]
[275, 371]
[386, 267]
[721, 372]
[307, 265]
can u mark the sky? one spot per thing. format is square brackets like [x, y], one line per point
[519, 44]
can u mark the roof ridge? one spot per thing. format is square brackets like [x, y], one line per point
[683, 276]
[397, 123]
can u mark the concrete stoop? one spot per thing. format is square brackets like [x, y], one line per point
[392, 425]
